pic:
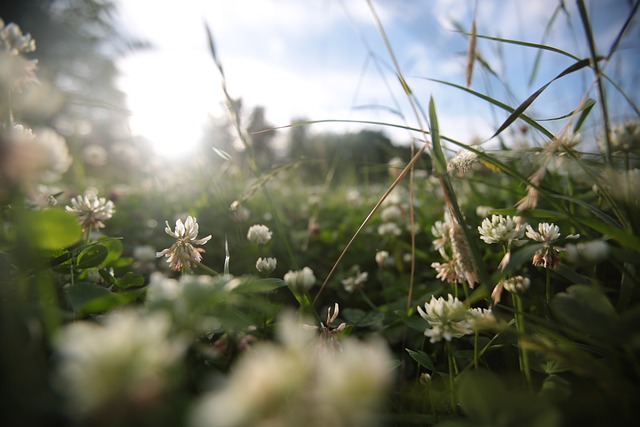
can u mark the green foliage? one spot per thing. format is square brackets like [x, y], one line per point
[563, 348]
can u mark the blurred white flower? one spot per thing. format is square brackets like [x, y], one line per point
[440, 231]
[13, 41]
[162, 289]
[381, 258]
[31, 157]
[91, 210]
[389, 229]
[183, 253]
[301, 280]
[593, 252]
[501, 229]
[483, 211]
[391, 213]
[127, 356]
[266, 265]
[395, 166]
[259, 234]
[289, 384]
[94, 155]
[624, 136]
[353, 283]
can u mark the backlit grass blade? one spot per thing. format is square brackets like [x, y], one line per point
[522, 107]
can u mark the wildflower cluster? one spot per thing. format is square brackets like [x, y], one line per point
[449, 318]
[451, 243]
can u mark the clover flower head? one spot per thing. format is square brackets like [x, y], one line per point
[516, 284]
[183, 253]
[389, 229]
[266, 265]
[41, 156]
[91, 210]
[546, 233]
[127, 354]
[440, 231]
[259, 234]
[351, 284]
[381, 258]
[447, 271]
[13, 41]
[501, 229]
[447, 318]
[480, 317]
[624, 136]
[301, 280]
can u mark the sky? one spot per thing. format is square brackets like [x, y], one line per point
[326, 59]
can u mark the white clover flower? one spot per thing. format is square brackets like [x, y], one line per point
[293, 383]
[501, 229]
[259, 234]
[447, 318]
[547, 233]
[624, 136]
[162, 289]
[13, 41]
[480, 318]
[516, 284]
[381, 258]
[102, 364]
[183, 253]
[301, 280]
[351, 284]
[391, 213]
[440, 231]
[91, 210]
[94, 155]
[389, 229]
[266, 265]
[593, 252]
[31, 157]
[547, 256]
[447, 271]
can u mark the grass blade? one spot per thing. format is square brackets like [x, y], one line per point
[522, 107]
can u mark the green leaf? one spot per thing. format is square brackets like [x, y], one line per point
[586, 109]
[482, 395]
[130, 280]
[114, 248]
[92, 256]
[440, 163]
[80, 293]
[421, 358]
[587, 310]
[50, 229]
[251, 285]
